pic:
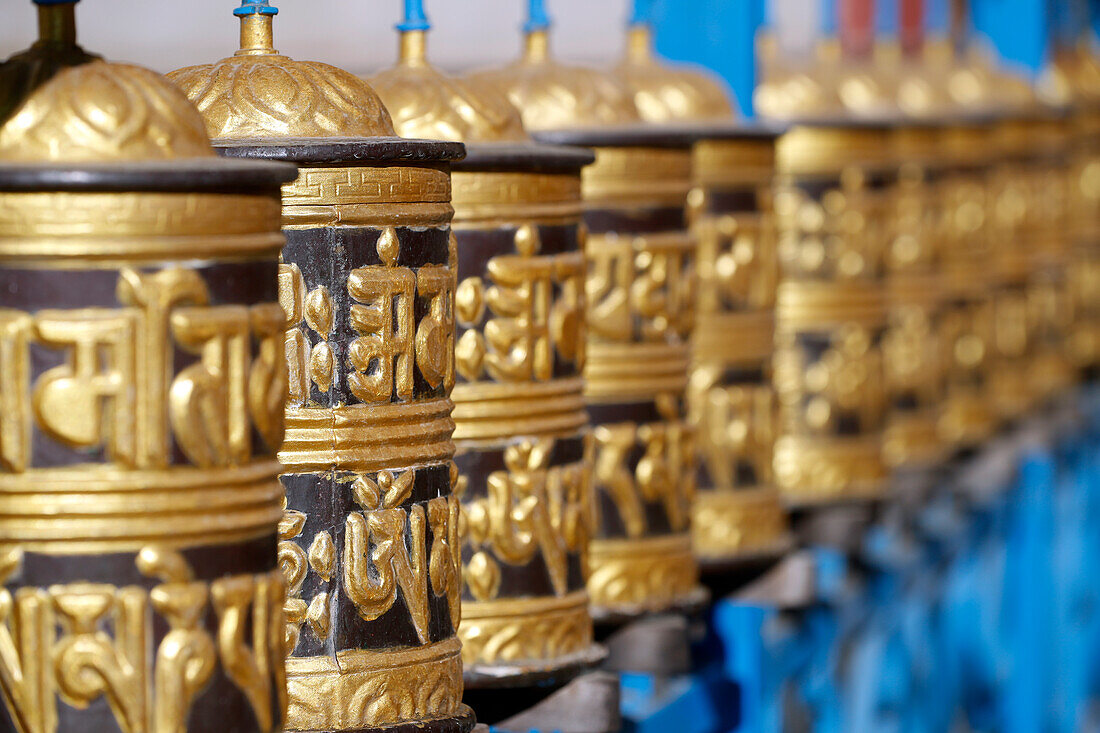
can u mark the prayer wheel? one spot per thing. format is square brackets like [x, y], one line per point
[523, 448]
[912, 349]
[834, 178]
[141, 391]
[640, 261]
[970, 279]
[369, 540]
[737, 514]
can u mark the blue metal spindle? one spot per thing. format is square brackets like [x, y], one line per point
[415, 19]
[537, 19]
[255, 7]
[642, 13]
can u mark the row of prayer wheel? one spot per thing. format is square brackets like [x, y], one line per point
[408, 383]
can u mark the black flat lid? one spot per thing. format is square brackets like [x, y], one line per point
[196, 174]
[524, 157]
[337, 150]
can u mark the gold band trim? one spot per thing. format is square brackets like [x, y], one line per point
[726, 524]
[733, 162]
[920, 289]
[829, 150]
[814, 304]
[966, 418]
[386, 184]
[627, 175]
[368, 215]
[635, 370]
[645, 574]
[367, 437]
[525, 629]
[912, 439]
[96, 509]
[811, 470]
[484, 411]
[130, 214]
[368, 689]
[734, 338]
[515, 196]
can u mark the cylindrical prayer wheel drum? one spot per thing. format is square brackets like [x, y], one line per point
[640, 262]
[523, 448]
[1048, 243]
[834, 180]
[640, 257]
[913, 354]
[1084, 229]
[141, 390]
[737, 513]
[369, 539]
[970, 277]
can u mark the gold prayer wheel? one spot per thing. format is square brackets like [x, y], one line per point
[639, 278]
[1047, 238]
[1077, 71]
[141, 389]
[834, 179]
[913, 353]
[969, 279]
[1029, 220]
[369, 539]
[523, 448]
[737, 514]
[737, 511]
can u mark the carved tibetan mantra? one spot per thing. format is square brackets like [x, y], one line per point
[1084, 228]
[521, 430]
[912, 354]
[737, 512]
[972, 285]
[832, 205]
[369, 540]
[141, 391]
[640, 272]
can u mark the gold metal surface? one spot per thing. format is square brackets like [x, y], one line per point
[425, 103]
[104, 112]
[259, 93]
[550, 95]
[166, 454]
[831, 312]
[664, 93]
[368, 337]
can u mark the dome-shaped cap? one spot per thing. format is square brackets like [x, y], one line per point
[103, 112]
[259, 93]
[552, 96]
[666, 93]
[425, 103]
[61, 104]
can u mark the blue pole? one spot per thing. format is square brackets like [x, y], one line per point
[415, 20]
[537, 19]
[717, 34]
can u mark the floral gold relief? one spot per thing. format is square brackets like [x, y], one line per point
[369, 536]
[142, 384]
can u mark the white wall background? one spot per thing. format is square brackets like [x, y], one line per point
[356, 35]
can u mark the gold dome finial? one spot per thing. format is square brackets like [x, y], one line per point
[59, 103]
[425, 103]
[259, 93]
[665, 93]
[552, 96]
